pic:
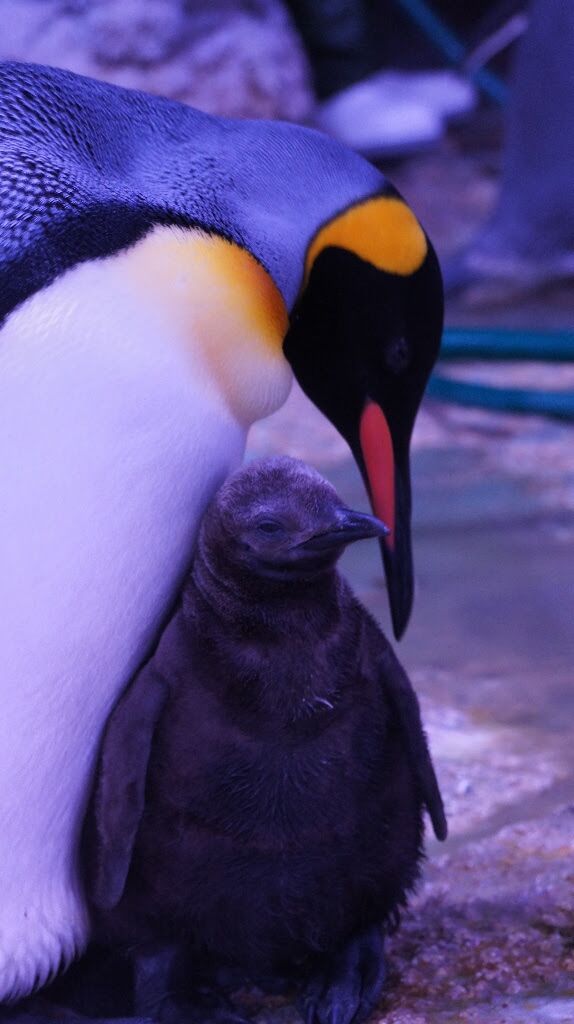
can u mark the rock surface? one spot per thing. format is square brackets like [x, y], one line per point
[233, 57]
[494, 924]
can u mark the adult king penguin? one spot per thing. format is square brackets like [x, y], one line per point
[162, 275]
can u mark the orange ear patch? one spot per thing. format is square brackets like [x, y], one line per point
[381, 230]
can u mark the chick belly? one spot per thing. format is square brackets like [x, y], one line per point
[278, 911]
[272, 898]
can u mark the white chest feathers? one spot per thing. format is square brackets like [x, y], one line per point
[126, 390]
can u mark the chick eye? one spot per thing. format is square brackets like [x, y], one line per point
[269, 526]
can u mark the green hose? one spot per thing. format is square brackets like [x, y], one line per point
[507, 343]
[452, 48]
[492, 343]
[556, 404]
[503, 344]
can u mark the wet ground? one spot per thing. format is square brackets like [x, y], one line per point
[490, 934]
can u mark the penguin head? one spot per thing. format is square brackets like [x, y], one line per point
[363, 339]
[278, 519]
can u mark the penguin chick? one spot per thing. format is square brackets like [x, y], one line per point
[261, 783]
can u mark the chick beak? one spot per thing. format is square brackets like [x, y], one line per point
[348, 527]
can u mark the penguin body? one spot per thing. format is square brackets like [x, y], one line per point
[109, 440]
[154, 267]
[261, 783]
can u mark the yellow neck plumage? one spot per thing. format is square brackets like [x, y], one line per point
[225, 308]
[229, 313]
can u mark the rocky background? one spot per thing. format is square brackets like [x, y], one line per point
[235, 57]
[489, 936]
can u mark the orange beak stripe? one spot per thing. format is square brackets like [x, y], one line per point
[377, 449]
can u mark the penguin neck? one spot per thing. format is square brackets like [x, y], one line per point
[275, 604]
[270, 639]
[222, 307]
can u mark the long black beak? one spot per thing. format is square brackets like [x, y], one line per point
[397, 552]
[349, 527]
[387, 477]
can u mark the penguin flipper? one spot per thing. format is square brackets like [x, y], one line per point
[406, 706]
[119, 792]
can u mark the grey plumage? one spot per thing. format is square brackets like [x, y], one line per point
[261, 782]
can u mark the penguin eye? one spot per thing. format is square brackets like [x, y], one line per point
[270, 526]
[397, 354]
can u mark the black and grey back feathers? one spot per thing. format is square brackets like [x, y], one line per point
[87, 169]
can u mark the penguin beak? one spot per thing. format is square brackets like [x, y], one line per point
[349, 527]
[347, 314]
[387, 477]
